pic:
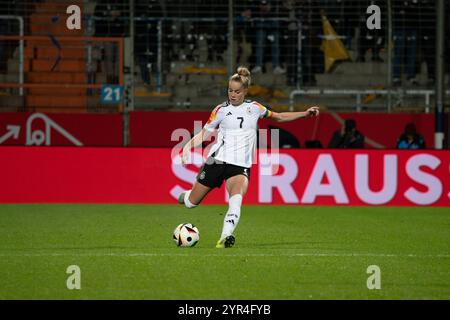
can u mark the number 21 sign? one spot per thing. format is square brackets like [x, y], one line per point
[112, 94]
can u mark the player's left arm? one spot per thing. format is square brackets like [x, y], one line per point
[292, 116]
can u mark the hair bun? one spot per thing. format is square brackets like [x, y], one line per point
[242, 76]
[244, 72]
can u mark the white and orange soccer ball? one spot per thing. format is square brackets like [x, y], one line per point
[186, 235]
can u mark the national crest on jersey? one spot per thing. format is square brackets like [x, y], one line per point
[237, 131]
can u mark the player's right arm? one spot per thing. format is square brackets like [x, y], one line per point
[213, 122]
[195, 142]
[198, 139]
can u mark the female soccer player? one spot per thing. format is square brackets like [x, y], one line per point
[230, 158]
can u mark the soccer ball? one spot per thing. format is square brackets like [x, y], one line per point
[186, 235]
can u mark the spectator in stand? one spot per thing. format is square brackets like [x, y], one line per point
[410, 139]
[427, 37]
[146, 36]
[110, 19]
[180, 37]
[372, 40]
[215, 33]
[347, 138]
[447, 31]
[405, 16]
[243, 32]
[305, 17]
[343, 16]
[267, 29]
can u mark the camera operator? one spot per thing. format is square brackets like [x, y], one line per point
[347, 137]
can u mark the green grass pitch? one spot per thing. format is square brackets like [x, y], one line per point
[285, 252]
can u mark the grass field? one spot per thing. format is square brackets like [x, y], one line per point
[126, 252]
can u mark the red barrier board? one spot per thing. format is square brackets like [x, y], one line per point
[156, 129]
[163, 129]
[148, 176]
[39, 129]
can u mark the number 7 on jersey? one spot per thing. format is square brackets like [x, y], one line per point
[242, 121]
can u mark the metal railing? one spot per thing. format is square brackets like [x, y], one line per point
[399, 93]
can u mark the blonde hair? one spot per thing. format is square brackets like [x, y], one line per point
[242, 76]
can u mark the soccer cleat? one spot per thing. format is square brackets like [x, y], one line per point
[228, 242]
[220, 244]
[181, 198]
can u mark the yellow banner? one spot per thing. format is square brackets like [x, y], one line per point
[332, 46]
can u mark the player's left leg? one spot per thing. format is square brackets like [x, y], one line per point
[236, 187]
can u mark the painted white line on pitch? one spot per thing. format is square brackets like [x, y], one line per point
[146, 254]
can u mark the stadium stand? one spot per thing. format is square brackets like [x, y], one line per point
[180, 54]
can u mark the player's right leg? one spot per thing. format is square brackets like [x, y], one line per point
[209, 177]
[194, 197]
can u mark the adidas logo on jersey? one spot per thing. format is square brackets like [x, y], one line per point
[229, 114]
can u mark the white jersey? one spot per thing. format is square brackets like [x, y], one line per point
[237, 131]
